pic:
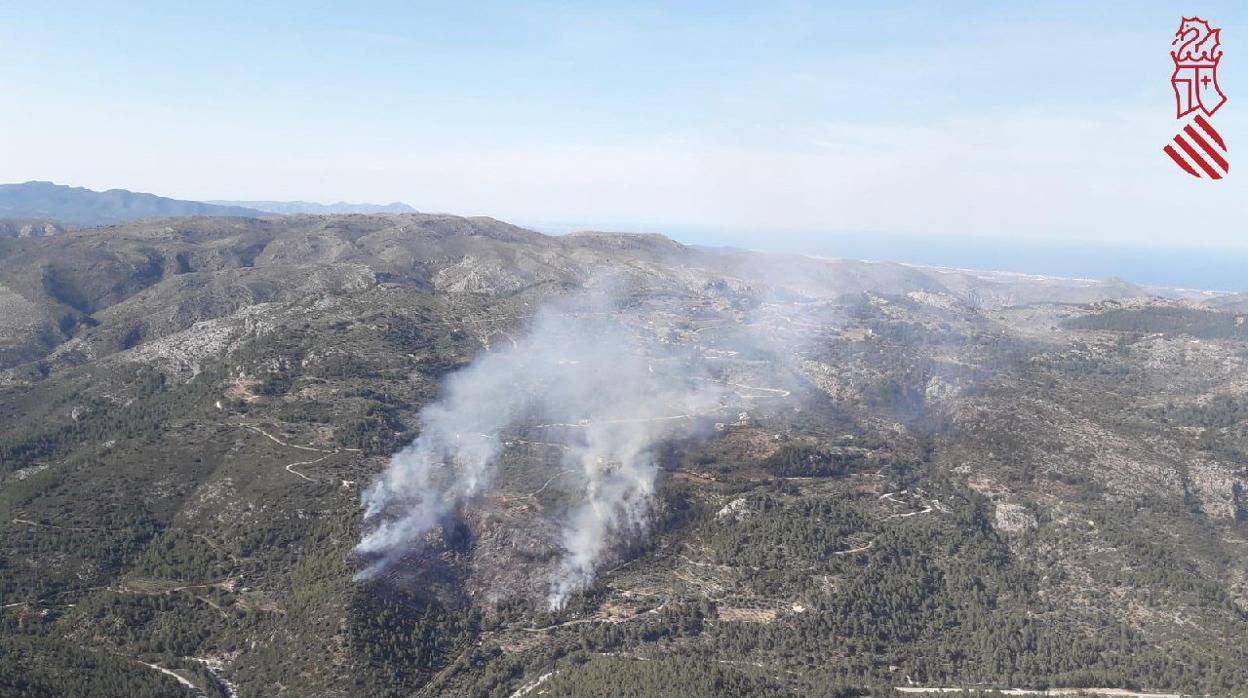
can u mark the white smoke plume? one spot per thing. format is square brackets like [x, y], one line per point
[580, 375]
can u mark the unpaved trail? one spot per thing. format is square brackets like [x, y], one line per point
[123, 589]
[177, 677]
[214, 667]
[552, 425]
[625, 420]
[749, 362]
[28, 522]
[214, 605]
[278, 441]
[1115, 692]
[891, 497]
[776, 392]
[529, 687]
[715, 565]
[527, 442]
[928, 505]
[291, 468]
[642, 420]
[773, 392]
[76, 529]
[582, 621]
[860, 549]
[552, 478]
[216, 547]
[924, 510]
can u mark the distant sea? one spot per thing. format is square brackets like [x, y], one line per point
[1210, 268]
[1172, 266]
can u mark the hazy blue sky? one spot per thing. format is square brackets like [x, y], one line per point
[1042, 120]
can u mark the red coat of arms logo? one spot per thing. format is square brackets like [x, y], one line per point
[1196, 56]
[1198, 149]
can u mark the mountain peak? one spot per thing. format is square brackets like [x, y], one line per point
[79, 206]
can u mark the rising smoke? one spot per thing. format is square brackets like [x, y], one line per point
[581, 375]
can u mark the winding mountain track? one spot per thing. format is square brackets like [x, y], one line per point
[176, 677]
[775, 392]
[551, 480]
[529, 687]
[587, 422]
[526, 442]
[860, 549]
[76, 529]
[290, 468]
[924, 510]
[214, 668]
[583, 621]
[279, 442]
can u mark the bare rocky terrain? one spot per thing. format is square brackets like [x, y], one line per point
[912, 477]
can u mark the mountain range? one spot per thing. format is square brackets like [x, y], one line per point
[81, 207]
[851, 478]
[40, 202]
[292, 207]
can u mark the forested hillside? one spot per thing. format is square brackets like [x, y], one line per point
[909, 478]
